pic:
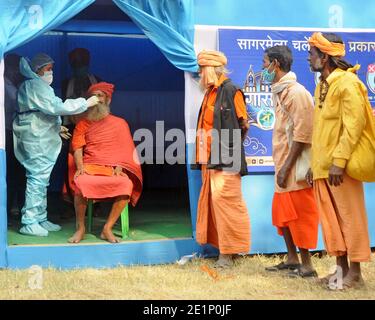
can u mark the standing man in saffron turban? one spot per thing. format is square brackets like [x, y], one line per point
[223, 220]
[342, 119]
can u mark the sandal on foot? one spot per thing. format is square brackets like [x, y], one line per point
[298, 273]
[283, 266]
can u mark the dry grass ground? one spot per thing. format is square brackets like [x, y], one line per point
[247, 280]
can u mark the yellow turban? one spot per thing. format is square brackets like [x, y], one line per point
[208, 60]
[331, 48]
[211, 58]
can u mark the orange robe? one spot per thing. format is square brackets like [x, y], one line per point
[223, 219]
[343, 218]
[206, 120]
[107, 144]
[297, 210]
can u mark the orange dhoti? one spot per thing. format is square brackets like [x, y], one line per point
[103, 187]
[297, 211]
[223, 220]
[343, 218]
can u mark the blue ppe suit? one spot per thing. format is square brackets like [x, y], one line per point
[37, 142]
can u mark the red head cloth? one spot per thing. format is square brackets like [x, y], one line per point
[79, 57]
[105, 87]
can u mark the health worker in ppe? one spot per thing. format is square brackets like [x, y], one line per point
[37, 142]
[15, 173]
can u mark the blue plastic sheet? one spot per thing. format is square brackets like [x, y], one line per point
[24, 20]
[169, 24]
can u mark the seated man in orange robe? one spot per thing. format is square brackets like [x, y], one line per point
[106, 161]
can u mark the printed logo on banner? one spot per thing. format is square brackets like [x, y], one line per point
[259, 100]
[261, 115]
[371, 77]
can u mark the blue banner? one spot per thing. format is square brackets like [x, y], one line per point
[245, 48]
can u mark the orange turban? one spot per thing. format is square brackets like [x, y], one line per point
[331, 48]
[211, 58]
[105, 87]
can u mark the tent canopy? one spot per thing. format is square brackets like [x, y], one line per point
[168, 24]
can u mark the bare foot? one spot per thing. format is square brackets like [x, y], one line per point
[224, 261]
[306, 268]
[78, 236]
[350, 281]
[354, 281]
[292, 261]
[109, 236]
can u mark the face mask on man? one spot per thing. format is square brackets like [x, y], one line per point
[267, 75]
[47, 77]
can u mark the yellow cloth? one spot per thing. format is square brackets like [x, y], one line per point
[345, 116]
[331, 48]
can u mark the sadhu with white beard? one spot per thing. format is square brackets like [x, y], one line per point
[106, 161]
[222, 220]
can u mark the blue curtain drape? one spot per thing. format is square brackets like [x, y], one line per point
[169, 25]
[23, 20]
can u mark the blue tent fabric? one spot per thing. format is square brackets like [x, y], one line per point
[22, 21]
[100, 26]
[169, 24]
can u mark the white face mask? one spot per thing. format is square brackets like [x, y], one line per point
[47, 77]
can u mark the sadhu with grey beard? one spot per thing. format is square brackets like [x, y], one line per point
[222, 220]
[106, 161]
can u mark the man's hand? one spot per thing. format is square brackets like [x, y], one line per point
[335, 175]
[244, 126]
[282, 176]
[309, 177]
[79, 172]
[64, 133]
[119, 172]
